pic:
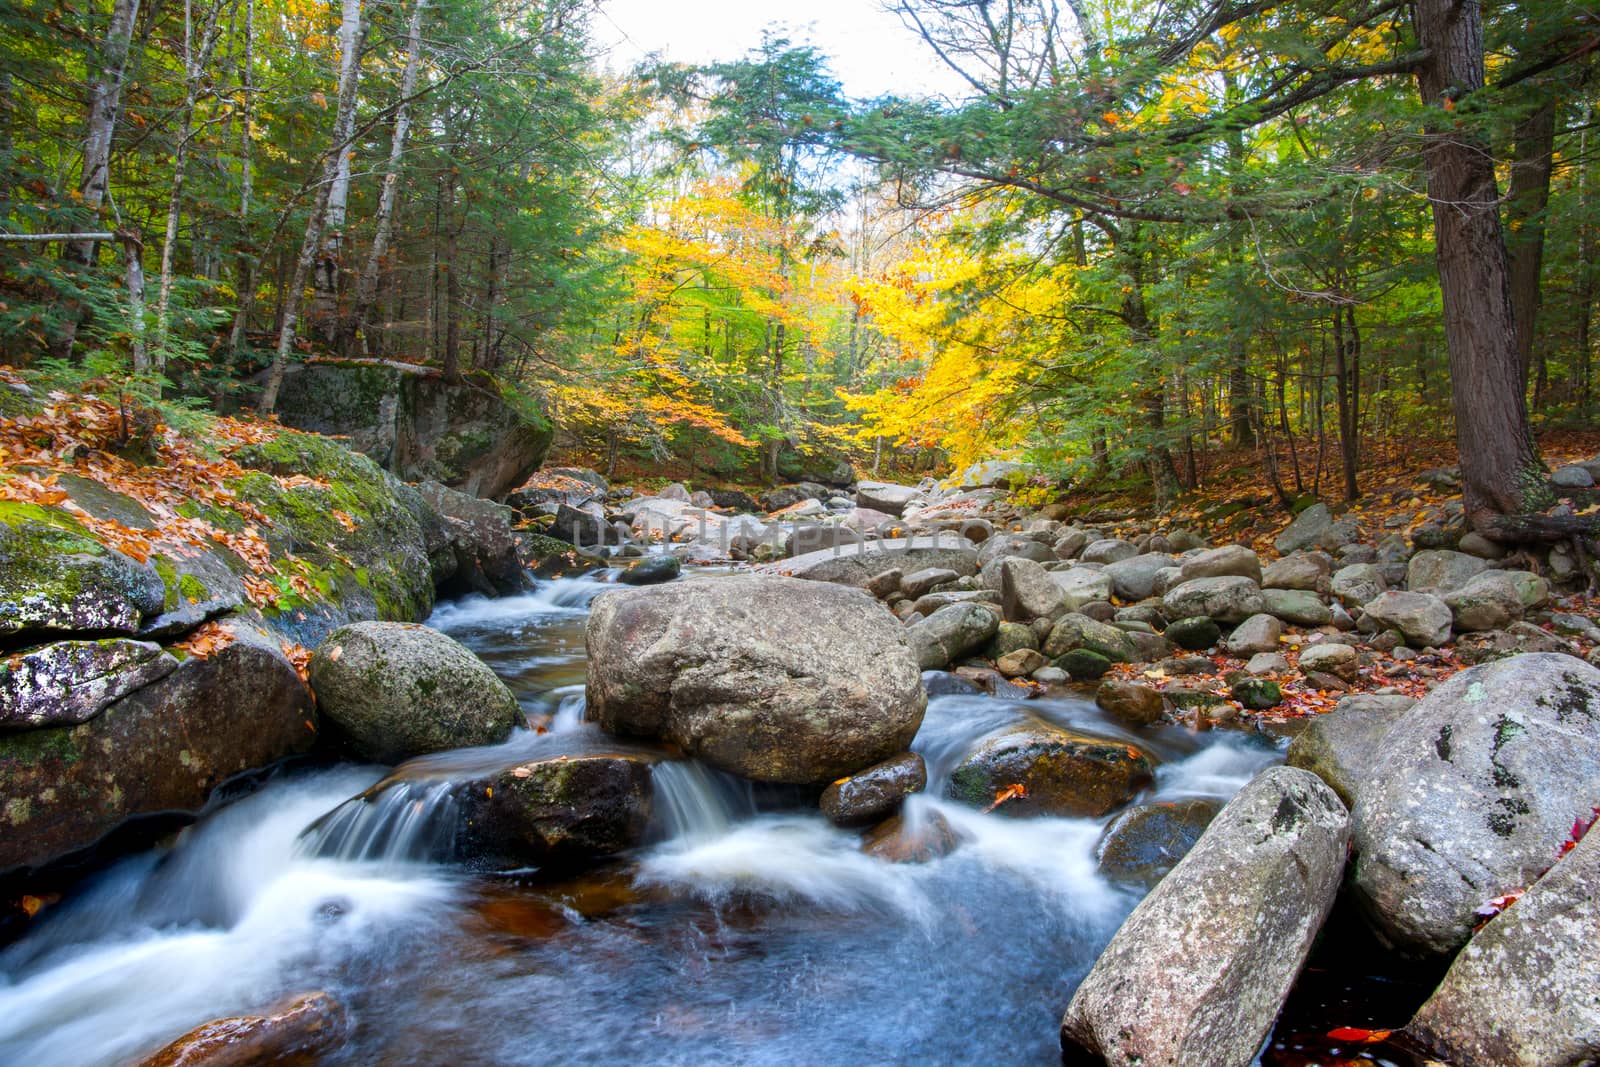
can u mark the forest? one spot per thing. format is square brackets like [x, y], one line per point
[1140, 238]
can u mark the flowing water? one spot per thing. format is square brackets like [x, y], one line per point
[749, 931]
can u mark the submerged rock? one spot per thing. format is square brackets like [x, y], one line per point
[1145, 842]
[559, 810]
[876, 793]
[1064, 773]
[772, 679]
[1197, 974]
[398, 690]
[296, 1030]
[904, 839]
[1471, 795]
[1523, 991]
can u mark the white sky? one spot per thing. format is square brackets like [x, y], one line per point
[870, 52]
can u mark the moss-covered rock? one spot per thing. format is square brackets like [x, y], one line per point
[396, 691]
[56, 578]
[162, 748]
[476, 435]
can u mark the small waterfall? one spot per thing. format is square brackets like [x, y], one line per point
[694, 802]
[403, 822]
[570, 701]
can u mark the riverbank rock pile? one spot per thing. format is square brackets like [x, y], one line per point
[156, 617]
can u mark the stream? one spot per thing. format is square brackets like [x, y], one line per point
[749, 931]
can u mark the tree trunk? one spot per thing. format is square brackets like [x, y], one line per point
[196, 60]
[367, 284]
[325, 303]
[1532, 160]
[105, 99]
[1501, 473]
[247, 263]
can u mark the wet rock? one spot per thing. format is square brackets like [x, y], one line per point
[1423, 620]
[294, 1032]
[1064, 773]
[1194, 633]
[1358, 584]
[1301, 571]
[1141, 845]
[951, 632]
[772, 679]
[1197, 974]
[1339, 746]
[73, 681]
[902, 839]
[1296, 606]
[1083, 665]
[56, 579]
[1440, 571]
[652, 570]
[1225, 599]
[1226, 561]
[876, 793]
[397, 690]
[1258, 633]
[1075, 631]
[1134, 578]
[948, 684]
[1521, 994]
[559, 810]
[162, 748]
[1331, 657]
[1472, 794]
[1137, 705]
[856, 566]
[1257, 694]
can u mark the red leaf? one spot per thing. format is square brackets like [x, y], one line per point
[1353, 1033]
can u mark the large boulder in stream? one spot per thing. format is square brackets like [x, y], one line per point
[1525, 992]
[772, 679]
[397, 690]
[1197, 974]
[1472, 794]
[159, 749]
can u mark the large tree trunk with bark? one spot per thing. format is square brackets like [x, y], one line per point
[1501, 474]
[1532, 159]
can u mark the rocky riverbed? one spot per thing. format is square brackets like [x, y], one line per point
[905, 769]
